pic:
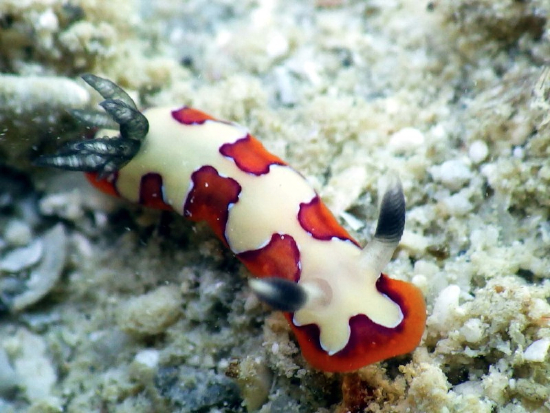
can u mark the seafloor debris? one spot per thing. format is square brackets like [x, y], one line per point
[194, 390]
[31, 94]
[22, 284]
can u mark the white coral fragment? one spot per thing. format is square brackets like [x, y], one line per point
[537, 351]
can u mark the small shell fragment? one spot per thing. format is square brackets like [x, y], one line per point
[537, 350]
[43, 278]
[406, 140]
[22, 258]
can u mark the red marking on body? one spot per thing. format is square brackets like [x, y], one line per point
[190, 116]
[106, 185]
[250, 155]
[150, 192]
[279, 258]
[370, 342]
[316, 219]
[209, 199]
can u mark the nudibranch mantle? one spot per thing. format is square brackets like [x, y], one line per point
[270, 218]
[259, 213]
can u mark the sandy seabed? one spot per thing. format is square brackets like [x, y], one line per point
[109, 307]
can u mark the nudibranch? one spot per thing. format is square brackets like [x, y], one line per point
[345, 313]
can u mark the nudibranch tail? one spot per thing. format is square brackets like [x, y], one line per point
[369, 316]
[103, 155]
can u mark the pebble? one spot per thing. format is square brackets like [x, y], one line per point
[478, 151]
[406, 140]
[473, 330]
[148, 357]
[518, 152]
[48, 21]
[285, 89]
[255, 381]
[457, 204]
[414, 242]
[445, 307]
[454, 174]
[537, 351]
[151, 313]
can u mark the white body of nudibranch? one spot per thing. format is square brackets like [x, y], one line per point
[344, 312]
